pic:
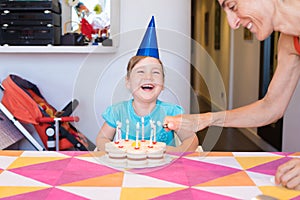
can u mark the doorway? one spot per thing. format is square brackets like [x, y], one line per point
[271, 133]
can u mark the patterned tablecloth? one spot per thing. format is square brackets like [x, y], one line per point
[83, 175]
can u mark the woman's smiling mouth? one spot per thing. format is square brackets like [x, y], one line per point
[249, 26]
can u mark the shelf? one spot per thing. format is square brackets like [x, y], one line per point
[58, 49]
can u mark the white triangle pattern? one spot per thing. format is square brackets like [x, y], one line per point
[5, 161]
[244, 192]
[146, 181]
[261, 179]
[8, 178]
[103, 193]
[219, 160]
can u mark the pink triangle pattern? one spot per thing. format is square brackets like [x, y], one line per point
[73, 153]
[296, 198]
[183, 172]
[192, 194]
[283, 153]
[62, 171]
[47, 194]
[270, 167]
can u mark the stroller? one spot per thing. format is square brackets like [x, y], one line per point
[23, 101]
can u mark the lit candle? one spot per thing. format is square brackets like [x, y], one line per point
[143, 130]
[137, 135]
[117, 133]
[127, 129]
[151, 135]
[120, 135]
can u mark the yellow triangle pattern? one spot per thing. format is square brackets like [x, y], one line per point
[237, 179]
[93, 154]
[249, 162]
[26, 161]
[6, 191]
[279, 192]
[110, 180]
[146, 193]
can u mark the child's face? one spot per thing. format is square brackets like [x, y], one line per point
[146, 80]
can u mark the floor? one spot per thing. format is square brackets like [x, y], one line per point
[223, 139]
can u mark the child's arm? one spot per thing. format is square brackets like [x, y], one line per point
[106, 134]
[189, 142]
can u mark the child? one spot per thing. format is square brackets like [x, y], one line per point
[145, 80]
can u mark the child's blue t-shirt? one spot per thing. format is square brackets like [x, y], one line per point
[124, 111]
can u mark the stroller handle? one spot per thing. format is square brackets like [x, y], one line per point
[62, 119]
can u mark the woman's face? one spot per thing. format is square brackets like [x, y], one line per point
[146, 80]
[255, 15]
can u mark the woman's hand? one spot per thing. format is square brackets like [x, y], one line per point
[288, 174]
[187, 122]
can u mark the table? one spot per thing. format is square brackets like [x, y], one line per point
[81, 175]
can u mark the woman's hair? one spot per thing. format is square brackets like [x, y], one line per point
[135, 59]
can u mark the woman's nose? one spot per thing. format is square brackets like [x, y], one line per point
[233, 20]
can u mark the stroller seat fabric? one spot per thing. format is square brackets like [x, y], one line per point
[24, 100]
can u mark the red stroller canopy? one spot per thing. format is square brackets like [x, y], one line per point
[18, 100]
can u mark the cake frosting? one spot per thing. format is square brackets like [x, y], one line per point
[136, 157]
[115, 155]
[155, 155]
[127, 153]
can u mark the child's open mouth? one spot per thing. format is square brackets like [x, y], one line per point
[147, 87]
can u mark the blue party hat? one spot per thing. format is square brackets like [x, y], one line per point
[148, 46]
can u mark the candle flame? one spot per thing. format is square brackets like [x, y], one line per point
[134, 144]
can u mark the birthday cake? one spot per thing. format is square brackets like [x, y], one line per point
[128, 153]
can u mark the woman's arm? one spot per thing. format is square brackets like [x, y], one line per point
[261, 112]
[106, 134]
[277, 98]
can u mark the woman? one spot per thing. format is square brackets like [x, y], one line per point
[261, 18]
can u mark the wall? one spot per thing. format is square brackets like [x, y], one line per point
[291, 125]
[246, 68]
[97, 79]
